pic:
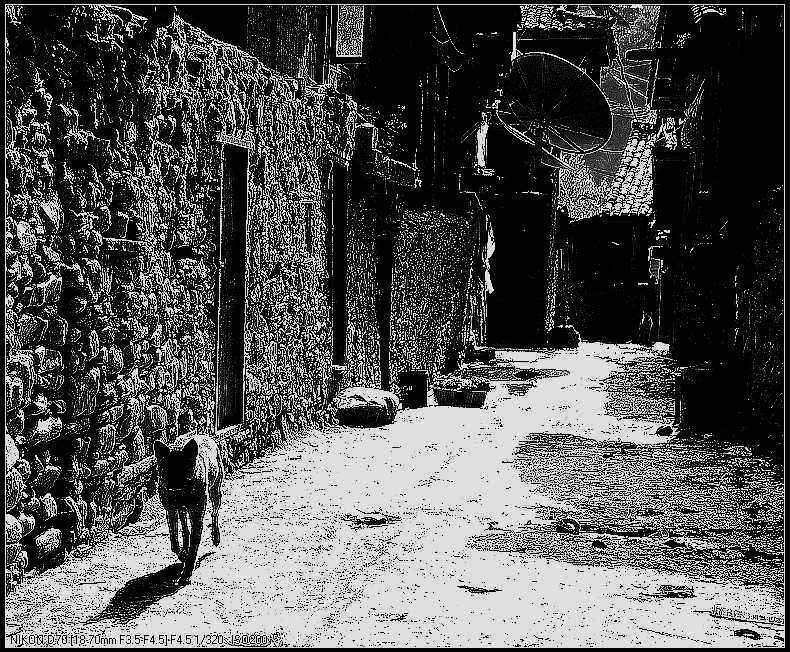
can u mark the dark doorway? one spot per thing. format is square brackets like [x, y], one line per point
[517, 307]
[336, 257]
[232, 256]
[384, 304]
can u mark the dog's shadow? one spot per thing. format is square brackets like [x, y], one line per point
[139, 594]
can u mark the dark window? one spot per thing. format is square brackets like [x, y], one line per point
[348, 33]
[384, 305]
[336, 259]
[290, 39]
[308, 226]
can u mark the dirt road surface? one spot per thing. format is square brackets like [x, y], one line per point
[467, 552]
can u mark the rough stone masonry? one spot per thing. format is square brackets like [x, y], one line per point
[114, 135]
[115, 132]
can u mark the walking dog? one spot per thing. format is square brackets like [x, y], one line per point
[190, 473]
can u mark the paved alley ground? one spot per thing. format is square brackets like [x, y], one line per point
[471, 554]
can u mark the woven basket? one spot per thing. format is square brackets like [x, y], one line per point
[460, 398]
[474, 398]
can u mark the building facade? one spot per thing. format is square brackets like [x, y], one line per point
[614, 293]
[202, 237]
[527, 267]
[718, 179]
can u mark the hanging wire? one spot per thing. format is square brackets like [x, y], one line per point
[625, 84]
[447, 41]
[642, 79]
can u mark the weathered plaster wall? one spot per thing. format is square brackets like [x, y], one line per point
[362, 344]
[433, 253]
[112, 191]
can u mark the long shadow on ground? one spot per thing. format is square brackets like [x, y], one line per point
[139, 594]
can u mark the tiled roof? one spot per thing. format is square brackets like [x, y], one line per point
[556, 20]
[631, 193]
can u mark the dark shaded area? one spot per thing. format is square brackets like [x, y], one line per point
[610, 277]
[141, 593]
[517, 308]
[510, 372]
[227, 23]
[643, 389]
[705, 509]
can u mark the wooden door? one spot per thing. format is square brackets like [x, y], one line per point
[232, 256]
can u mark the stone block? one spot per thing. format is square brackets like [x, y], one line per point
[55, 335]
[27, 523]
[47, 292]
[30, 328]
[47, 544]
[50, 361]
[12, 553]
[51, 215]
[13, 488]
[15, 423]
[115, 361]
[13, 393]
[13, 529]
[44, 481]
[84, 391]
[76, 429]
[11, 453]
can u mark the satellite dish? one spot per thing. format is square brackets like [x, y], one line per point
[550, 156]
[550, 101]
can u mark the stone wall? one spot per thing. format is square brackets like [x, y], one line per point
[113, 181]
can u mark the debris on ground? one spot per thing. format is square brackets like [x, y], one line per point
[718, 611]
[751, 553]
[569, 526]
[747, 633]
[674, 544]
[366, 406]
[672, 591]
[754, 508]
[370, 519]
[639, 532]
[392, 617]
[664, 431]
[673, 634]
[477, 589]
[598, 544]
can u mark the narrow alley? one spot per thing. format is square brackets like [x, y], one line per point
[441, 530]
[394, 325]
